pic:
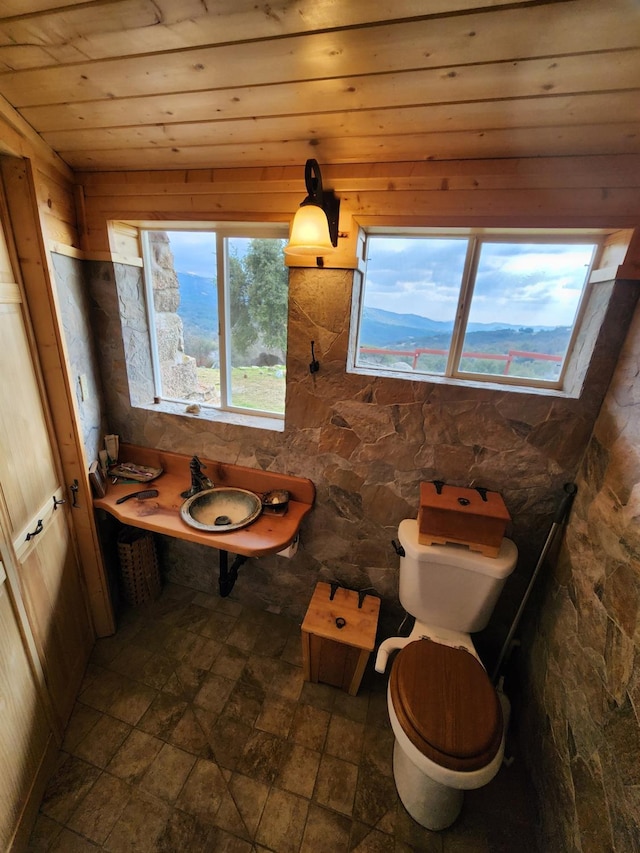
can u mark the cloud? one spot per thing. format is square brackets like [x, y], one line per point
[529, 283]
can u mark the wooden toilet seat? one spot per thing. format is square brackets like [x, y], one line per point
[446, 704]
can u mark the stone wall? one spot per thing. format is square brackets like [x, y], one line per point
[366, 444]
[582, 721]
[177, 370]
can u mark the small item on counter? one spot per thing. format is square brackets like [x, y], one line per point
[193, 409]
[137, 473]
[96, 478]
[112, 446]
[276, 501]
[141, 496]
[103, 458]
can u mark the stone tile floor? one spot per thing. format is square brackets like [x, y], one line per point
[194, 731]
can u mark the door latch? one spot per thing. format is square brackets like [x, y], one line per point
[39, 529]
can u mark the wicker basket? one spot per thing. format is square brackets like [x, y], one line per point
[138, 565]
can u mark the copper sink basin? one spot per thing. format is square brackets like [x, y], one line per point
[221, 510]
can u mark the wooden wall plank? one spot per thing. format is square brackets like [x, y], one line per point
[617, 206]
[445, 178]
[623, 170]
[504, 35]
[601, 192]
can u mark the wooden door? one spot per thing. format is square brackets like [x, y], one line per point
[31, 489]
[25, 734]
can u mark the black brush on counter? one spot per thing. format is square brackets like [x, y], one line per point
[143, 495]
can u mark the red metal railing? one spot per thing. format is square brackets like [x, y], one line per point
[492, 356]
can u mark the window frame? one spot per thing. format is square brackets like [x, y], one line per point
[475, 238]
[223, 232]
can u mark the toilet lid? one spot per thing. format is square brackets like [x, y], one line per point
[446, 704]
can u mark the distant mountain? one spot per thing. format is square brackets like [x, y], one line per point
[378, 316]
[198, 305]
[380, 328]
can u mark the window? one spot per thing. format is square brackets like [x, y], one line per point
[217, 304]
[493, 308]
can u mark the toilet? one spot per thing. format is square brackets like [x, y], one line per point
[448, 720]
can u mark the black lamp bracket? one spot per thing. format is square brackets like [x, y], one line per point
[325, 199]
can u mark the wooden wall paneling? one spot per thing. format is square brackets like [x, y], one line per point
[124, 240]
[534, 208]
[56, 202]
[615, 203]
[475, 38]
[592, 191]
[19, 180]
[124, 27]
[532, 173]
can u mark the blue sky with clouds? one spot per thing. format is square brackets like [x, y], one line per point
[194, 252]
[532, 284]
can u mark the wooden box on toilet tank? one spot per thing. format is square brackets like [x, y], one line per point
[474, 517]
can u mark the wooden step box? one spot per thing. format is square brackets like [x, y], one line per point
[338, 655]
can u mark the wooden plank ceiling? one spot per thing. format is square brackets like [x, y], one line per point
[173, 84]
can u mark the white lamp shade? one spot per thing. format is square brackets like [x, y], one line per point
[309, 232]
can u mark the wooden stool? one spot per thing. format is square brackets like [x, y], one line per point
[338, 636]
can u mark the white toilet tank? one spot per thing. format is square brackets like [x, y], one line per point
[449, 586]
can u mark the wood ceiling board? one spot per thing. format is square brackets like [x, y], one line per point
[618, 71]
[132, 27]
[173, 86]
[555, 112]
[435, 43]
[28, 7]
[591, 139]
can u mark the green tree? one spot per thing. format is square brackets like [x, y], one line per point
[243, 329]
[267, 291]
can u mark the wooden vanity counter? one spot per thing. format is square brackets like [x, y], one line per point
[268, 534]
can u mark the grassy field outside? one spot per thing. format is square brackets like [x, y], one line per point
[261, 388]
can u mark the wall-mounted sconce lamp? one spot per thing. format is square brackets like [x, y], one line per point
[314, 230]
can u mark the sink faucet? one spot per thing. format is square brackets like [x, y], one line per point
[199, 481]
